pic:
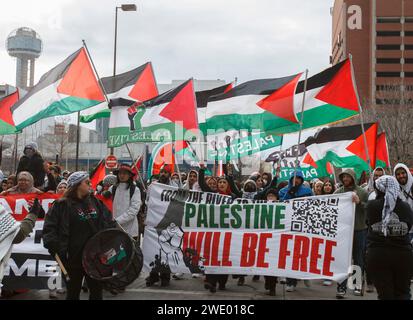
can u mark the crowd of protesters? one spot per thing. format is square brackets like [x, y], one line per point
[382, 230]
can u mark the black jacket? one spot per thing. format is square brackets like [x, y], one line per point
[66, 227]
[35, 166]
[374, 214]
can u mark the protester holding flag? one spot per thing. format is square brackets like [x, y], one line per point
[389, 257]
[348, 179]
[295, 189]
[69, 224]
[32, 162]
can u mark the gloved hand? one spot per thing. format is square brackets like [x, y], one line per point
[107, 194]
[37, 209]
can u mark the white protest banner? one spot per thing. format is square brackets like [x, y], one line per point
[195, 232]
[30, 265]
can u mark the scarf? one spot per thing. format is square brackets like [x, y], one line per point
[391, 189]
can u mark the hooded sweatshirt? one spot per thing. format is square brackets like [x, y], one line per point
[288, 192]
[360, 218]
[407, 192]
[249, 194]
[370, 187]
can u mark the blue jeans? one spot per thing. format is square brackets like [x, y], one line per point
[359, 252]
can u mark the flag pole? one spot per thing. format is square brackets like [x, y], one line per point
[99, 81]
[177, 164]
[361, 115]
[134, 166]
[388, 154]
[94, 69]
[77, 141]
[301, 126]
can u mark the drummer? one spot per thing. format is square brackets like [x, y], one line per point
[69, 224]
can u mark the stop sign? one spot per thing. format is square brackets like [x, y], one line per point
[111, 162]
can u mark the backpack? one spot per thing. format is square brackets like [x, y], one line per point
[131, 191]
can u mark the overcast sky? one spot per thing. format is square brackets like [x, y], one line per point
[209, 39]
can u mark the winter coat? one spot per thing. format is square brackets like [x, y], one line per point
[69, 224]
[125, 208]
[374, 210]
[35, 166]
[360, 218]
[288, 192]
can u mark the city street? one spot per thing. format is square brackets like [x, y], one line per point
[192, 289]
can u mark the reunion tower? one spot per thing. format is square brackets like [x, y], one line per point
[25, 45]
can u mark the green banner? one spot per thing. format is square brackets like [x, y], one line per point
[245, 147]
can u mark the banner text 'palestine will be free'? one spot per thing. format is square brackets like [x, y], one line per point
[195, 232]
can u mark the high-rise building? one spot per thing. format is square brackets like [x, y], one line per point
[379, 36]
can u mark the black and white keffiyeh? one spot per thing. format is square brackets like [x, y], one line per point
[391, 189]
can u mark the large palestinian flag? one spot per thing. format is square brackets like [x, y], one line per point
[170, 116]
[6, 117]
[69, 87]
[344, 147]
[275, 104]
[202, 98]
[382, 151]
[138, 85]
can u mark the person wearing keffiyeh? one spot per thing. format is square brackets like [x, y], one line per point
[389, 254]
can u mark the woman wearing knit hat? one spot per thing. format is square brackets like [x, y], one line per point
[69, 224]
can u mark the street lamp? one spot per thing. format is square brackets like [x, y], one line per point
[124, 7]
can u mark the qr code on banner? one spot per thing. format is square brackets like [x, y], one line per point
[315, 216]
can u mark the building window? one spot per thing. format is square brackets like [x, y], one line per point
[408, 60]
[388, 20]
[388, 47]
[408, 20]
[408, 33]
[388, 74]
[408, 46]
[388, 33]
[388, 87]
[388, 60]
[408, 74]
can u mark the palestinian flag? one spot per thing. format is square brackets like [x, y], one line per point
[69, 87]
[382, 151]
[136, 167]
[138, 85]
[6, 117]
[344, 147]
[168, 117]
[97, 174]
[202, 98]
[274, 105]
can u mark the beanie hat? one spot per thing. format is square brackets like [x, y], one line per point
[76, 178]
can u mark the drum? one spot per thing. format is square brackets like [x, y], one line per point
[112, 257]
